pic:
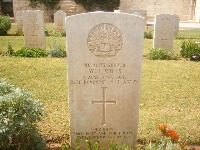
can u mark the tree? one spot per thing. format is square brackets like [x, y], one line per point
[0, 7]
[50, 5]
[106, 5]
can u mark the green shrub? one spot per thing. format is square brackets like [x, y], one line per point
[161, 54]
[31, 52]
[18, 117]
[56, 47]
[5, 25]
[19, 33]
[161, 144]
[190, 49]
[58, 52]
[148, 34]
[10, 50]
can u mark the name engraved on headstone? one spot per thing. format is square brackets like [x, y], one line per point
[104, 73]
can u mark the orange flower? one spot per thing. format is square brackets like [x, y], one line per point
[162, 127]
[173, 135]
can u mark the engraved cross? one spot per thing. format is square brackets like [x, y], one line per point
[34, 36]
[164, 39]
[104, 102]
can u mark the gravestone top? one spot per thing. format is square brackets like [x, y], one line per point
[33, 23]
[142, 12]
[104, 72]
[59, 20]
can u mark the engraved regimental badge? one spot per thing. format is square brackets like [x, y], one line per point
[105, 40]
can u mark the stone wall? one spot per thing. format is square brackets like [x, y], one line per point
[68, 6]
[197, 11]
[153, 7]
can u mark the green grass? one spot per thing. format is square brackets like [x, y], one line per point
[17, 42]
[170, 94]
[189, 34]
[170, 91]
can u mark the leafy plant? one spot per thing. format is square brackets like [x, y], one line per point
[10, 50]
[148, 34]
[161, 54]
[56, 49]
[106, 5]
[169, 139]
[190, 49]
[19, 33]
[31, 52]
[5, 25]
[18, 117]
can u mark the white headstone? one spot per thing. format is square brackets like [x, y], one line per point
[117, 11]
[164, 27]
[59, 20]
[138, 11]
[19, 20]
[177, 20]
[34, 29]
[104, 72]
[137, 14]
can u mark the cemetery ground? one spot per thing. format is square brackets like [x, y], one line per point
[170, 91]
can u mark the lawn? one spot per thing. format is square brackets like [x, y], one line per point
[170, 91]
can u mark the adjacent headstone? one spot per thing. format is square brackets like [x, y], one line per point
[164, 27]
[138, 11]
[117, 11]
[137, 14]
[33, 22]
[104, 72]
[19, 20]
[177, 20]
[59, 20]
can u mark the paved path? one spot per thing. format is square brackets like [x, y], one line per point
[182, 25]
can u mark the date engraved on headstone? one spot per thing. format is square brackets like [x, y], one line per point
[105, 40]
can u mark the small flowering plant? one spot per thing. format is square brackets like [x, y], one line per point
[56, 47]
[170, 138]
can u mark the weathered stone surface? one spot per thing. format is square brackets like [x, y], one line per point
[59, 20]
[177, 20]
[164, 27]
[34, 35]
[19, 20]
[143, 13]
[104, 72]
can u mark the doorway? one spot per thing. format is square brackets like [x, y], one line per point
[7, 8]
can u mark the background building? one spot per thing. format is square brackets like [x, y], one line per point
[185, 9]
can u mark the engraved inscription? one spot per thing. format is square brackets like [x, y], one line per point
[103, 133]
[105, 40]
[33, 17]
[104, 73]
[104, 102]
[165, 28]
